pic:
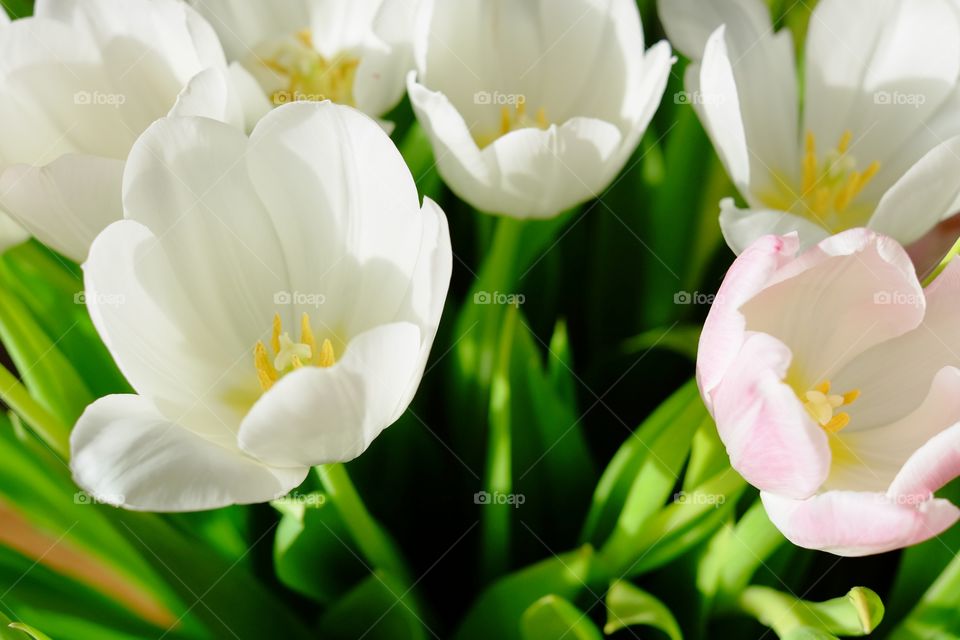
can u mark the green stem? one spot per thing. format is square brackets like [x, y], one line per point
[936, 612]
[48, 428]
[374, 543]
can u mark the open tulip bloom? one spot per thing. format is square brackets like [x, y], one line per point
[834, 382]
[534, 107]
[278, 299]
[352, 52]
[875, 145]
[79, 81]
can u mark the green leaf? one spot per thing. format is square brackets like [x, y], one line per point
[378, 609]
[629, 606]
[27, 629]
[498, 610]
[312, 552]
[856, 614]
[937, 614]
[418, 154]
[681, 339]
[614, 486]
[552, 618]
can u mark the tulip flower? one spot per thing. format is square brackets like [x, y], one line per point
[353, 52]
[834, 382]
[534, 107]
[273, 300]
[79, 81]
[875, 143]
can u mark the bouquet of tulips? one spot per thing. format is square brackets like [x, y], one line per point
[479, 319]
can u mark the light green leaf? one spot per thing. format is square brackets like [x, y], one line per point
[552, 618]
[378, 609]
[33, 633]
[628, 606]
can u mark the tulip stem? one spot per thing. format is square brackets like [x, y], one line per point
[48, 428]
[374, 542]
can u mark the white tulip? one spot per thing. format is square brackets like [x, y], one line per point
[271, 299]
[79, 81]
[876, 142]
[534, 107]
[353, 52]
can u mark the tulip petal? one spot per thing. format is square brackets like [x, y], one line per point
[66, 203]
[317, 416]
[242, 24]
[771, 440]
[846, 279]
[689, 23]
[852, 523]
[723, 332]
[924, 196]
[899, 373]
[881, 69]
[740, 227]
[125, 452]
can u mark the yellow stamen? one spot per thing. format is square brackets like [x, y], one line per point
[266, 374]
[277, 328]
[837, 423]
[810, 164]
[327, 358]
[306, 334]
[305, 36]
[506, 123]
[542, 121]
[845, 141]
[821, 405]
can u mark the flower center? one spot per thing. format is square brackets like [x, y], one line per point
[821, 405]
[512, 118]
[310, 76]
[830, 187]
[289, 355]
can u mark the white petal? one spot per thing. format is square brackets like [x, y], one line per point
[341, 25]
[879, 68]
[66, 203]
[210, 94]
[242, 24]
[316, 416]
[187, 181]
[346, 209]
[11, 233]
[742, 227]
[922, 197]
[689, 23]
[124, 452]
[381, 77]
[184, 360]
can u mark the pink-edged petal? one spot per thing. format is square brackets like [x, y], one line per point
[828, 305]
[723, 331]
[125, 452]
[771, 440]
[858, 523]
[930, 468]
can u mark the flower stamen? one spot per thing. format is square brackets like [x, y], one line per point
[289, 355]
[821, 405]
[309, 75]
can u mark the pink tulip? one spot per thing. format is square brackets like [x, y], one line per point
[834, 382]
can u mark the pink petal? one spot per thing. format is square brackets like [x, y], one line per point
[770, 439]
[855, 523]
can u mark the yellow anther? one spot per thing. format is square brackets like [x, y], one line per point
[277, 328]
[821, 405]
[506, 122]
[305, 36]
[810, 164]
[845, 141]
[837, 423]
[306, 334]
[266, 374]
[542, 121]
[327, 357]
